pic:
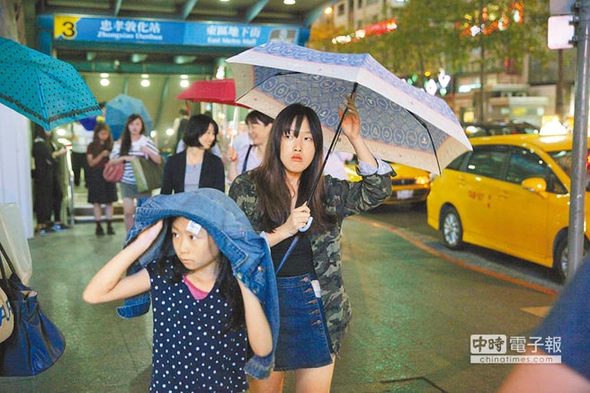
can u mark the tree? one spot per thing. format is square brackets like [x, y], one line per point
[450, 34]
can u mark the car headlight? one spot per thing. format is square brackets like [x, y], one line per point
[422, 180]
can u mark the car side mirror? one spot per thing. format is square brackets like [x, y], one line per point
[535, 184]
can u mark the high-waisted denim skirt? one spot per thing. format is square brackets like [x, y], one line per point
[303, 335]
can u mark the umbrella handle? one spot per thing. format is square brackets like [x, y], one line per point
[306, 227]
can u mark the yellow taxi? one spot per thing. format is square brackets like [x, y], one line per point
[409, 185]
[510, 194]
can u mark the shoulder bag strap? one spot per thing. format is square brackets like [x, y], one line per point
[246, 158]
[4, 275]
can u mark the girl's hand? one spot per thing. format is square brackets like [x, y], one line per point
[351, 125]
[147, 237]
[145, 150]
[297, 219]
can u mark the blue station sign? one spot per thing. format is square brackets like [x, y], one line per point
[163, 32]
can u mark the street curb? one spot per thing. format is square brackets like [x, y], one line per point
[455, 261]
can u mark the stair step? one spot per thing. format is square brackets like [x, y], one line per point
[84, 219]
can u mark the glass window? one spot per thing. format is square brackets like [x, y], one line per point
[564, 160]
[473, 131]
[340, 9]
[488, 161]
[523, 165]
[456, 163]
[359, 4]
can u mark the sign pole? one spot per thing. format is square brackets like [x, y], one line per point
[580, 142]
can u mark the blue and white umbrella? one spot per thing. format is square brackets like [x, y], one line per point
[400, 123]
[120, 108]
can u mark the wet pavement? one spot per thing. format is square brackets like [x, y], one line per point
[414, 309]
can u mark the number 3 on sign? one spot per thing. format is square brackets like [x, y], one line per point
[65, 27]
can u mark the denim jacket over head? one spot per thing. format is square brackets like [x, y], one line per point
[247, 252]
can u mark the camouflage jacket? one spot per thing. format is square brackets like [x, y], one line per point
[343, 199]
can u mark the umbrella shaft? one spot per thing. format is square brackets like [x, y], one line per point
[331, 148]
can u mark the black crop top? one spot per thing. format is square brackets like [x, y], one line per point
[299, 262]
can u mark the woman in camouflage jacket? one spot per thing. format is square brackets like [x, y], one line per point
[273, 197]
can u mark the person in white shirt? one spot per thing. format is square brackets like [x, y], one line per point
[250, 156]
[133, 144]
[81, 138]
[335, 166]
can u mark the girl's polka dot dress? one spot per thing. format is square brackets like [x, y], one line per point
[192, 352]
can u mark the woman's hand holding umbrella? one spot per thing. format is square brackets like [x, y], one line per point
[351, 127]
[298, 219]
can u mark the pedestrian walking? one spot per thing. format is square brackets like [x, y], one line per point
[133, 144]
[100, 192]
[250, 156]
[204, 319]
[47, 189]
[81, 138]
[195, 167]
[314, 309]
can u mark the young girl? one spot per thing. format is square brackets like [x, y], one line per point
[99, 190]
[133, 144]
[204, 318]
[314, 309]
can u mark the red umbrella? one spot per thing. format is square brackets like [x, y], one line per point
[221, 91]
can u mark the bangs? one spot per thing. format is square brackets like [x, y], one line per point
[298, 121]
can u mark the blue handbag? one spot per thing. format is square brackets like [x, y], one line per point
[36, 343]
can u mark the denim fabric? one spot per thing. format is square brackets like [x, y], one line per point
[247, 252]
[140, 304]
[569, 322]
[136, 305]
[303, 335]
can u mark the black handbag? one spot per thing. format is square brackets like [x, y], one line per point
[36, 343]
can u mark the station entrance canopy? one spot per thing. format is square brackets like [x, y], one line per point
[133, 43]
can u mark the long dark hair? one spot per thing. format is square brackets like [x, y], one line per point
[39, 132]
[274, 199]
[196, 127]
[174, 270]
[126, 137]
[97, 146]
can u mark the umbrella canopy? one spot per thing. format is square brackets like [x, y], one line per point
[400, 123]
[222, 91]
[118, 110]
[89, 123]
[48, 91]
